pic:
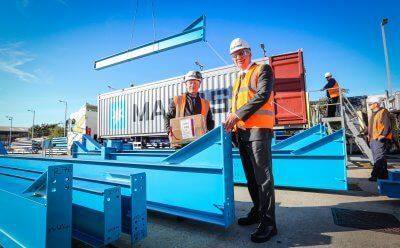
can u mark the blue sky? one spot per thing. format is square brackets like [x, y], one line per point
[47, 48]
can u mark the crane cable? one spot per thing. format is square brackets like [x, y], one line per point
[134, 20]
[154, 21]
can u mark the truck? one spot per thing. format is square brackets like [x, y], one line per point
[137, 113]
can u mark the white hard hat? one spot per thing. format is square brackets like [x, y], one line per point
[238, 44]
[374, 99]
[328, 74]
[195, 75]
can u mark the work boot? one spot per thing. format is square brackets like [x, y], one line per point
[250, 219]
[372, 179]
[264, 233]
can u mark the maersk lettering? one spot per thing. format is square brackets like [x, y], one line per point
[158, 109]
[219, 101]
[144, 115]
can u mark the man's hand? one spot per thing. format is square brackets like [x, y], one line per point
[169, 132]
[231, 120]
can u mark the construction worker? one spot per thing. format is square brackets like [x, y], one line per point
[252, 119]
[190, 103]
[333, 93]
[379, 136]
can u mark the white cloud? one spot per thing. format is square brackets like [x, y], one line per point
[13, 57]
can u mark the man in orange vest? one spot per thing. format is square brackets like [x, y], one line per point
[333, 93]
[190, 103]
[379, 136]
[252, 119]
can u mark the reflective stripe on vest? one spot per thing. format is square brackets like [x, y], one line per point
[243, 91]
[378, 126]
[334, 91]
[180, 104]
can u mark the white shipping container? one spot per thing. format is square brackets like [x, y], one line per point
[140, 110]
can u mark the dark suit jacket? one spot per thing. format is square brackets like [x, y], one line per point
[190, 109]
[265, 86]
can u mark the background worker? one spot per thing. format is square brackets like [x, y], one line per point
[333, 93]
[379, 136]
[252, 118]
[190, 103]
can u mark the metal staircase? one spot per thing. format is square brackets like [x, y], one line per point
[352, 123]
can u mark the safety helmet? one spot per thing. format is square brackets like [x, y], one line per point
[373, 99]
[195, 75]
[328, 74]
[238, 44]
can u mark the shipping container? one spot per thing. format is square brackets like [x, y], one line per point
[139, 111]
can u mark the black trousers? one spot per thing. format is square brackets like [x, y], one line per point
[379, 150]
[257, 163]
[331, 109]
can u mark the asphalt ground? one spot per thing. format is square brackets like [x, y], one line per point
[304, 218]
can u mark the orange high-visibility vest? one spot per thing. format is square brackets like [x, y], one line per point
[334, 91]
[378, 127]
[180, 103]
[243, 91]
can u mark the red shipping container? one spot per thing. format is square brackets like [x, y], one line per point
[289, 89]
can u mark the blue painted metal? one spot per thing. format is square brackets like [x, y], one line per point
[391, 186]
[89, 143]
[96, 208]
[310, 159]
[2, 149]
[195, 182]
[301, 139]
[193, 33]
[117, 144]
[37, 214]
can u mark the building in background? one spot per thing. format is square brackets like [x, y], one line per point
[17, 132]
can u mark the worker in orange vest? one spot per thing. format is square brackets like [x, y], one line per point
[189, 103]
[333, 93]
[252, 119]
[379, 136]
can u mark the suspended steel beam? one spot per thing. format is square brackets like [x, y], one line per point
[37, 214]
[193, 33]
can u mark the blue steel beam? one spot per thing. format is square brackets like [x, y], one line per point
[195, 182]
[301, 139]
[37, 214]
[194, 33]
[325, 165]
[391, 186]
[96, 200]
[96, 209]
[2, 150]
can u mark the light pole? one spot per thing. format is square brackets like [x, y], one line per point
[10, 118]
[33, 120]
[65, 117]
[389, 78]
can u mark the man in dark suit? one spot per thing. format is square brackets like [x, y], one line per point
[252, 119]
[189, 103]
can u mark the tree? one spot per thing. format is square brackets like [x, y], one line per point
[47, 130]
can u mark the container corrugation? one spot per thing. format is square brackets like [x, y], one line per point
[139, 110]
